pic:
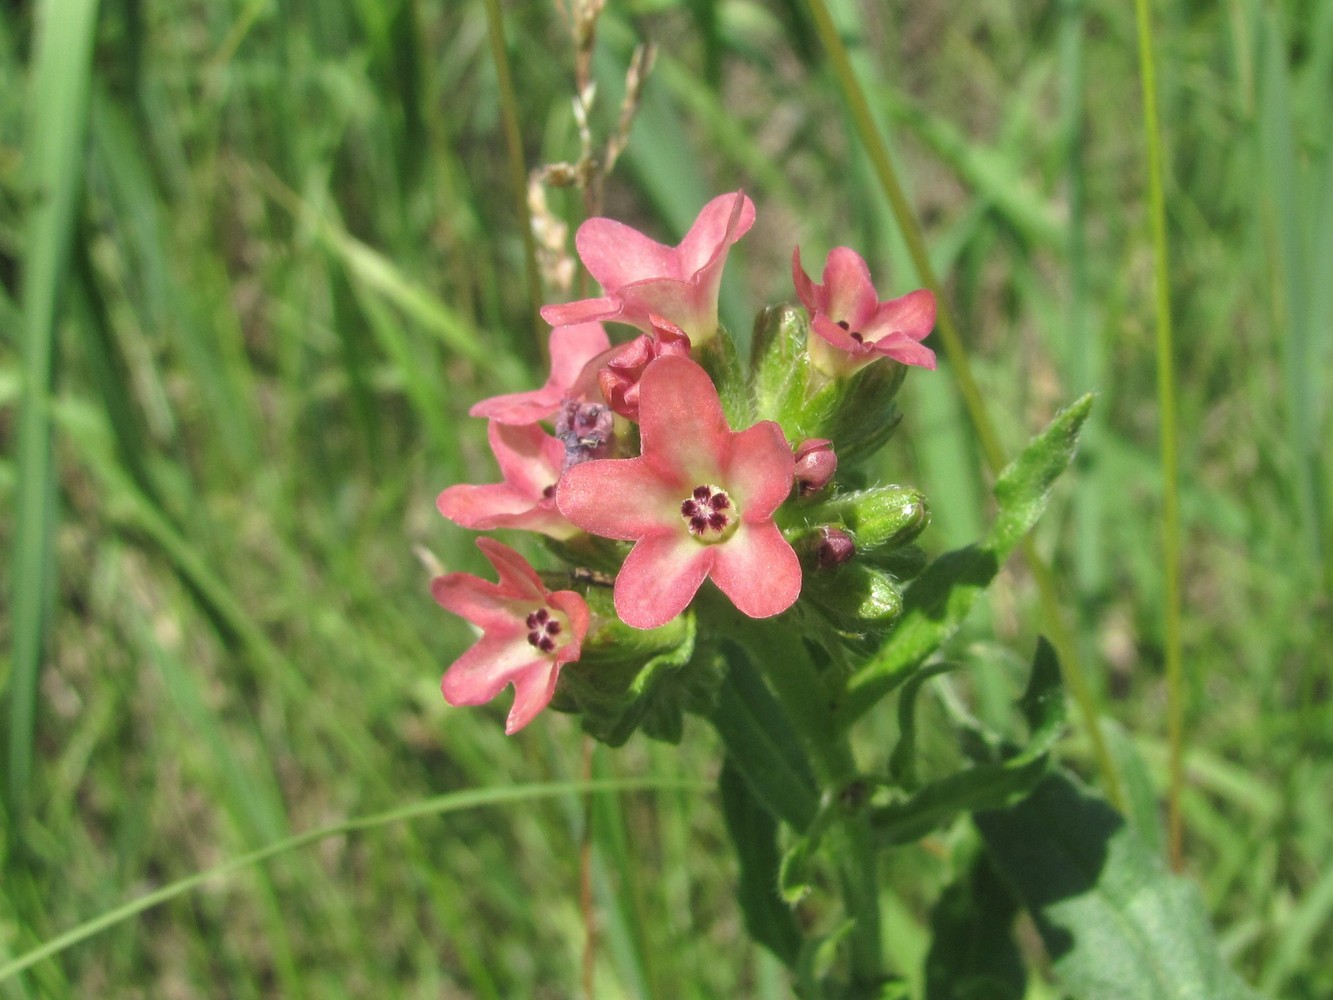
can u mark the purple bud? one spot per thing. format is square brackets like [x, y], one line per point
[835, 547]
[815, 465]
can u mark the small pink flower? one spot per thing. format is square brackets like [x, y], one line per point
[698, 502]
[530, 462]
[572, 347]
[619, 380]
[853, 326]
[527, 634]
[815, 465]
[642, 277]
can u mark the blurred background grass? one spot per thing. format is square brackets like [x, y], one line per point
[273, 259]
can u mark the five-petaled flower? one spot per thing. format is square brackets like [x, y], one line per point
[642, 277]
[531, 462]
[854, 328]
[528, 634]
[572, 348]
[698, 502]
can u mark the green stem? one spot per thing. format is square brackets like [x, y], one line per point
[873, 142]
[518, 174]
[1166, 401]
[780, 653]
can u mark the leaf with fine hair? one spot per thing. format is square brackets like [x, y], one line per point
[938, 601]
[988, 785]
[1116, 923]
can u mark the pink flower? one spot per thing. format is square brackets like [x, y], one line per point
[642, 277]
[530, 462]
[853, 326]
[619, 380]
[527, 634]
[698, 502]
[572, 347]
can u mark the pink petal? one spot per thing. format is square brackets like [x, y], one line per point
[572, 347]
[720, 223]
[912, 315]
[830, 332]
[811, 295]
[906, 351]
[758, 570]
[532, 692]
[581, 312]
[483, 671]
[849, 293]
[660, 577]
[616, 254]
[681, 424]
[760, 470]
[622, 498]
[517, 577]
[476, 600]
[477, 507]
[530, 459]
[575, 608]
[689, 305]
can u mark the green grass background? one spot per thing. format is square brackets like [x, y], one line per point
[257, 259]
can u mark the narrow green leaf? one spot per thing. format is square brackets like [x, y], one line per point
[987, 785]
[902, 762]
[473, 798]
[58, 125]
[1116, 923]
[754, 831]
[938, 601]
[763, 746]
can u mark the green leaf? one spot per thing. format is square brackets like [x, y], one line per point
[763, 746]
[62, 69]
[972, 952]
[754, 831]
[902, 762]
[987, 785]
[938, 601]
[1116, 923]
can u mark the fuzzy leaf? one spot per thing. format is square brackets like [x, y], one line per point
[972, 952]
[763, 746]
[938, 601]
[1116, 923]
[754, 831]
[987, 785]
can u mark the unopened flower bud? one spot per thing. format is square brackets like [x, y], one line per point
[815, 465]
[834, 547]
[882, 517]
[619, 379]
[856, 597]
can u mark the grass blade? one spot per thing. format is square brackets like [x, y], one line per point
[60, 85]
[436, 806]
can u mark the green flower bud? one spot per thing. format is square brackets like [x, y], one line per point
[902, 563]
[855, 597]
[883, 517]
[856, 413]
[780, 367]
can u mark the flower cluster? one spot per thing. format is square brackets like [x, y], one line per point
[654, 465]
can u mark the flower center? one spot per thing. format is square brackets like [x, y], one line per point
[854, 334]
[709, 514]
[543, 627]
